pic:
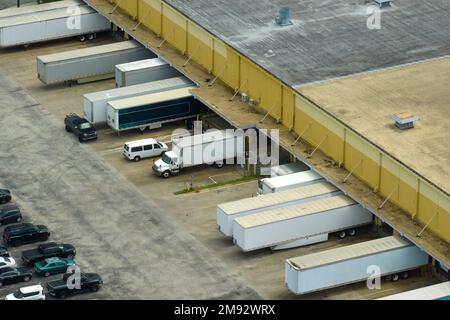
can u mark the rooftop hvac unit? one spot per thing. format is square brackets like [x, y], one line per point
[284, 17]
[383, 3]
[404, 120]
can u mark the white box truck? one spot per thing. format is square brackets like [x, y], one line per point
[51, 25]
[337, 267]
[227, 212]
[148, 70]
[93, 63]
[290, 181]
[440, 291]
[214, 148]
[300, 225]
[31, 9]
[95, 103]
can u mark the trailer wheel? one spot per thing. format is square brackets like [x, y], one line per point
[82, 38]
[91, 37]
[352, 232]
[219, 165]
[342, 234]
[166, 174]
[137, 159]
[404, 275]
[395, 277]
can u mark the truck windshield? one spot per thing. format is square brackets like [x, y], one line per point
[166, 158]
[85, 125]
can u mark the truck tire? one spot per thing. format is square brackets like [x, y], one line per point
[219, 165]
[404, 275]
[94, 289]
[68, 129]
[82, 38]
[26, 278]
[80, 139]
[62, 294]
[342, 235]
[395, 277]
[91, 37]
[137, 159]
[166, 174]
[46, 274]
[352, 232]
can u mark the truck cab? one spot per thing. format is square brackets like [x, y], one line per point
[169, 164]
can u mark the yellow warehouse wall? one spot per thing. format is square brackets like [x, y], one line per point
[296, 113]
[174, 28]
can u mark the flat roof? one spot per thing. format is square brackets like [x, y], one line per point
[90, 51]
[434, 292]
[348, 252]
[28, 9]
[328, 39]
[295, 211]
[141, 64]
[151, 98]
[272, 199]
[44, 16]
[209, 136]
[366, 102]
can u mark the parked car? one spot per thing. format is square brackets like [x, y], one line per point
[146, 148]
[51, 266]
[5, 196]
[27, 293]
[89, 282]
[7, 262]
[10, 213]
[48, 250]
[22, 233]
[4, 252]
[13, 275]
[80, 127]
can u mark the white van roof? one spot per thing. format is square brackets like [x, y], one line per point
[31, 289]
[142, 142]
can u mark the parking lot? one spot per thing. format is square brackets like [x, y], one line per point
[126, 223]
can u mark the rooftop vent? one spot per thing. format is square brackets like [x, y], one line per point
[404, 120]
[383, 3]
[284, 17]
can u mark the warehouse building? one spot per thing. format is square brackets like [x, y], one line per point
[333, 85]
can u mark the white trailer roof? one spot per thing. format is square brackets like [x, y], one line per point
[295, 211]
[135, 89]
[289, 179]
[214, 135]
[141, 64]
[44, 16]
[30, 9]
[151, 98]
[271, 199]
[434, 292]
[348, 252]
[91, 51]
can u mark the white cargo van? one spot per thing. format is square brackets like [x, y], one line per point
[146, 148]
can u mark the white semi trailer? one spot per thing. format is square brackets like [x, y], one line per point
[32, 9]
[148, 70]
[289, 181]
[300, 225]
[288, 168]
[229, 211]
[213, 148]
[440, 291]
[92, 63]
[51, 25]
[337, 267]
[95, 104]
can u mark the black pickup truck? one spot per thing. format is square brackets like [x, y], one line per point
[5, 196]
[18, 234]
[88, 282]
[48, 250]
[80, 127]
